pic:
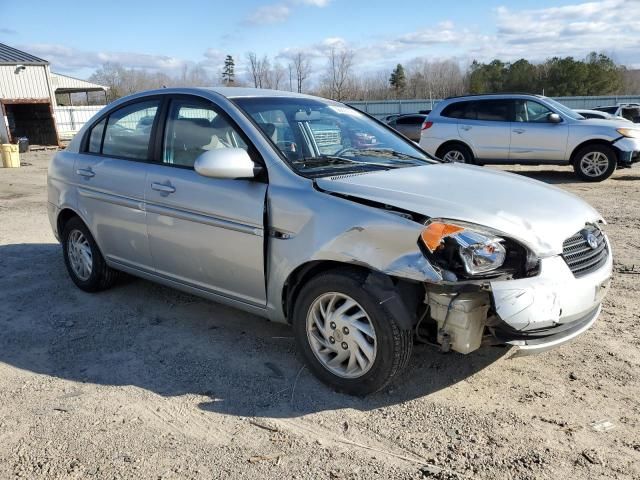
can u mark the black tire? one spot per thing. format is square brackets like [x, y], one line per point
[581, 166]
[394, 345]
[453, 148]
[101, 276]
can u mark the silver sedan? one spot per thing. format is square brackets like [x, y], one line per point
[306, 211]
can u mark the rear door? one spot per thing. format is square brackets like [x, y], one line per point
[485, 125]
[534, 137]
[205, 232]
[110, 177]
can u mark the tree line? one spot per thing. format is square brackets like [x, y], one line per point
[338, 77]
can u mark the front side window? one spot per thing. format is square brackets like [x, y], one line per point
[530, 111]
[128, 131]
[322, 137]
[193, 128]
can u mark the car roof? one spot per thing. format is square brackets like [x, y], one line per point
[243, 92]
[227, 92]
[494, 95]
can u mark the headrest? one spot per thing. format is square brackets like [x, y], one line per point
[268, 128]
[192, 132]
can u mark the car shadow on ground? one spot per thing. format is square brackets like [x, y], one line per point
[549, 176]
[156, 338]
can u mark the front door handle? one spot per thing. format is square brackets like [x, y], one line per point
[163, 188]
[518, 130]
[85, 172]
[465, 127]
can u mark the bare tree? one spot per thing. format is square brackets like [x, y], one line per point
[264, 70]
[277, 76]
[291, 68]
[254, 68]
[301, 64]
[338, 74]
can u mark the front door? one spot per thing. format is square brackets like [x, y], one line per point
[110, 177]
[534, 137]
[205, 232]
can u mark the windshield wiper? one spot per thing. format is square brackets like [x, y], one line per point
[330, 160]
[390, 152]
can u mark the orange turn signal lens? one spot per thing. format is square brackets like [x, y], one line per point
[434, 233]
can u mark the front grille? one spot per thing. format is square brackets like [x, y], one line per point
[581, 257]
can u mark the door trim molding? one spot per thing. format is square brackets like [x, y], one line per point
[203, 219]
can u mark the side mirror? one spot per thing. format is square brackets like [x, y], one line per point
[226, 163]
[554, 118]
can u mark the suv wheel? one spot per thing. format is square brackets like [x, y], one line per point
[456, 153]
[347, 337]
[83, 259]
[595, 163]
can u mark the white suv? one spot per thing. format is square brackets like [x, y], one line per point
[528, 129]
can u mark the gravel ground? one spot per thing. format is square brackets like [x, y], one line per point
[142, 381]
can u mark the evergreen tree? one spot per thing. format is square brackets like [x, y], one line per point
[228, 73]
[398, 79]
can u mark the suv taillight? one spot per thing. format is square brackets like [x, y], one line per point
[426, 125]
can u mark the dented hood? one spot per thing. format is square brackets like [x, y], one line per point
[539, 215]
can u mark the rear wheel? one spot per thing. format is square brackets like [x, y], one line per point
[346, 336]
[455, 153]
[595, 163]
[83, 259]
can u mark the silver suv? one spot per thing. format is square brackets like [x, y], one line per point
[528, 129]
[307, 211]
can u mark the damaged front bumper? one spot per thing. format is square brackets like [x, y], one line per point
[629, 151]
[532, 314]
[543, 312]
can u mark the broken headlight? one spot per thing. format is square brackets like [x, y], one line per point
[472, 251]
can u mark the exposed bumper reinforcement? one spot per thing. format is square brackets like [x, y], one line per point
[540, 344]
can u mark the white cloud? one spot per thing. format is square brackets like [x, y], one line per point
[314, 3]
[280, 12]
[612, 26]
[269, 14]
[609, 26]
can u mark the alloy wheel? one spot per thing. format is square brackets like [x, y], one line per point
[594, 164]
[454, 156]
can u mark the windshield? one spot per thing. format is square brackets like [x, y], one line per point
[321, 137]
[564, 109]
[610, 110]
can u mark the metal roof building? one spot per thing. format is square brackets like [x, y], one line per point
[28, 96]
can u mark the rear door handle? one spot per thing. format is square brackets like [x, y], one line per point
[85, 172]
[163, 188]
[518, 130]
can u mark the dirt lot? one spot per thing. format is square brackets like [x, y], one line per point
[145, 382]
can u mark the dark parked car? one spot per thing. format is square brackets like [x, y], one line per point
[409, 125]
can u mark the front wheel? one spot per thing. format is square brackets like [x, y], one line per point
[595, 163]
[346, 336]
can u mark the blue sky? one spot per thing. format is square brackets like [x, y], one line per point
[79, 36]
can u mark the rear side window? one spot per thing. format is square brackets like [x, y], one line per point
[493, 110]
[455, 110]
[411, 120]
[95, 139]
[128, 130]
